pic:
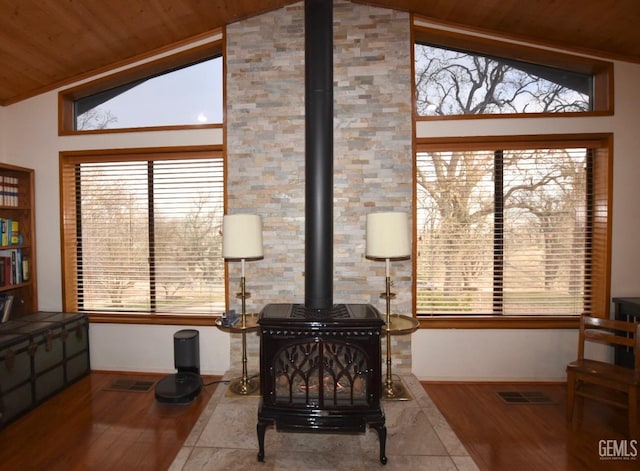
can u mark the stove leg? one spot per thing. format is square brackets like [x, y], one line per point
[261, 428]
[382, 438]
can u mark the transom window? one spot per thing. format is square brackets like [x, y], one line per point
[177, 91]
[191, 95]
[460, 76]
[451, 82]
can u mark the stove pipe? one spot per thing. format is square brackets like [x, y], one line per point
[319, 155]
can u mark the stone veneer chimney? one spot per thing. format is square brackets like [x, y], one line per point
[372, 147]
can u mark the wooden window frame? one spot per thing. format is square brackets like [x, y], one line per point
[602, 144]
[66, 98]
[68, 225]
[602, 71]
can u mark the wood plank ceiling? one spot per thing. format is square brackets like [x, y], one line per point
[48, 43]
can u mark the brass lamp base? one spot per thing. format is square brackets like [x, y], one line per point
[395, 391]
[244, 387]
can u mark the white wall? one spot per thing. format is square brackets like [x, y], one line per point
[149, 348]
[28, 137]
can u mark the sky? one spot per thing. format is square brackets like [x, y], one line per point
[192, 95]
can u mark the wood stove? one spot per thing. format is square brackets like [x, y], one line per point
[320, 363]
[321, 370]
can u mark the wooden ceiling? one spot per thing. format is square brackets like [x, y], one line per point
[45, 44]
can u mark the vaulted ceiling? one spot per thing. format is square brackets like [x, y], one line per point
[47, 43]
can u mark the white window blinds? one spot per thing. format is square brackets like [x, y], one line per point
[503, 232]
[147, 234]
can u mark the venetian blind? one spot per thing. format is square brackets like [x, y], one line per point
[147, 234]
[503, 232]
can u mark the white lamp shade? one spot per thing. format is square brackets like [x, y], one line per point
[242, 236]
[388, 236]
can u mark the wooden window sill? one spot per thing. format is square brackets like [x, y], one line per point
[154, 319]
[499, 322]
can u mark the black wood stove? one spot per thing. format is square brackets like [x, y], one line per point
[321, 372]
[320, 363]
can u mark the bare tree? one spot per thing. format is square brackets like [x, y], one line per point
[190, 246]
[94, 118]
[448, 180]
[112, 229]
[538, 203]
[451, 82]
[548, 182]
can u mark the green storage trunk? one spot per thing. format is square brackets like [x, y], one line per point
[75, 338]
[16, 394]
[47, 354]
[40, 354]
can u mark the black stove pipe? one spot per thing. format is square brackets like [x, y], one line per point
[319, 155]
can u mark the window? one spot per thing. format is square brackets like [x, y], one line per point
[451, 82]
[182, 90]
[187, 96]
[142, 232]
[463, 76]
[514, 227]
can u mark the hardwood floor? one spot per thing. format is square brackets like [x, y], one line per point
[501, 436]
[86, 427]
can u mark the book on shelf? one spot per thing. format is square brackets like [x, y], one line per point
[26, 274]
[10, 191]
[14, 233]
[9, 232]
[4, 231]
[6, 302]
[11, 267]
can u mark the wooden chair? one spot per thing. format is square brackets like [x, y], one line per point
[595, 379]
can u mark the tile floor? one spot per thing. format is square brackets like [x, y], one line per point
[418, 438]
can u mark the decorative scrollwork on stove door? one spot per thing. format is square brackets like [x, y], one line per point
[323, 373]
[345, 368]
[296, 373]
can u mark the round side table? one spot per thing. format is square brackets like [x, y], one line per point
[248, 322]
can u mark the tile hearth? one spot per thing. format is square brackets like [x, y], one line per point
[418, 438]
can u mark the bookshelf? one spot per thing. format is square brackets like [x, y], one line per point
[17, 239]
